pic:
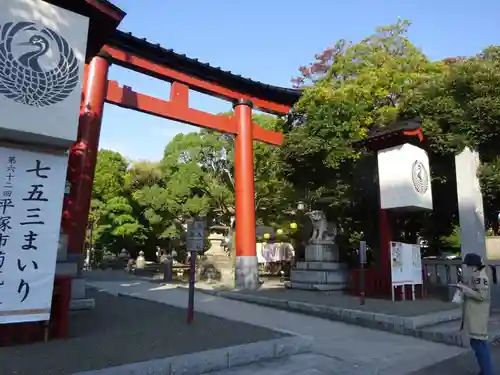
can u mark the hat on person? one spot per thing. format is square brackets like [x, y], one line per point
[473, 260]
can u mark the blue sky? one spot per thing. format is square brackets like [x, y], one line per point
[267, 40]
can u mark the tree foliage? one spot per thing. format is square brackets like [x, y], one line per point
[461, 108]
[348, 90]
[144, 204]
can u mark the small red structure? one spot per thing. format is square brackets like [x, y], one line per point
[378, 280]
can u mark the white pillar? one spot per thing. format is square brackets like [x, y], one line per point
[470, 204]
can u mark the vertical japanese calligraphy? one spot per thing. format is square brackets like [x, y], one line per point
[36, 198]
[6, 204]
[30, 218]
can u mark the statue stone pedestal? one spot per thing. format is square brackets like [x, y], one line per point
[216, 265]
[321, 271]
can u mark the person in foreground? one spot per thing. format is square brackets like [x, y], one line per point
[476, 311]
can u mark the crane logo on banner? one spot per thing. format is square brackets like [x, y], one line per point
[37, 66]
[420, 177]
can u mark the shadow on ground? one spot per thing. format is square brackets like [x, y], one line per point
[123, 330]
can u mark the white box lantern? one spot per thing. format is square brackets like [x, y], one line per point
[42, 57]
[404, 178]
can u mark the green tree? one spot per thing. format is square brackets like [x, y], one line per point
[461, 108]
[109, 179]
[118, 227]
[348, 90]
[274, 194]
[115, 223]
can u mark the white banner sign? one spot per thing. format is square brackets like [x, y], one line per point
[31, 198]
[404, 178]
[42, 57]
[417, 264]
[274, 252]
[406, 264]
[195, 239]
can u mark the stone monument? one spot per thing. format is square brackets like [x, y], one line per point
[140, 262]
[216, 265]
[321, 270]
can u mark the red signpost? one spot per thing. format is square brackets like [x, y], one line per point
[195, 242]
[192, 280]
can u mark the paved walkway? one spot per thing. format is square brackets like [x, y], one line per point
[313, 364]
[338, 348]
[273, 288]
[462, 365]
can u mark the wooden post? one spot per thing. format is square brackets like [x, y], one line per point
[83, 154]
[247, 270]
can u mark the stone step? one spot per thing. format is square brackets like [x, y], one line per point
[449, 332]
[319, 277]
[315, 287]
[82, 304]
[320, 266]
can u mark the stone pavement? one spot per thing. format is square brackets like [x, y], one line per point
[427, 319]
[464, 364]
[338, 348]
[314, 364]
[301, 364]
[273, 288]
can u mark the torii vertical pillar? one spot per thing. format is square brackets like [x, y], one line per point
[81, 163]
[247, 268]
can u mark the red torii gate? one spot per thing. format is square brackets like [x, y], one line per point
[106, 46]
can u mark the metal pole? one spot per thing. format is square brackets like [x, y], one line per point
[90, 244]
[362, 261]
[192, 275]
[362, 284]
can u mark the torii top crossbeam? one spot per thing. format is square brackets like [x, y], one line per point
[128, 51]
[107, 45]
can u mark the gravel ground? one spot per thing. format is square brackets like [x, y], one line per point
[124, 330]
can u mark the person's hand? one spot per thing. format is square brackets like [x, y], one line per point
[460, 286]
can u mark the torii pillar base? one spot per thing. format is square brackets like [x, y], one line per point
[247, 273]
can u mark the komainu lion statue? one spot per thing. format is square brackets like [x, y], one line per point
[322, 229]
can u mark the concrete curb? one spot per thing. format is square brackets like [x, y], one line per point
[410, 326]
[213, 360]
